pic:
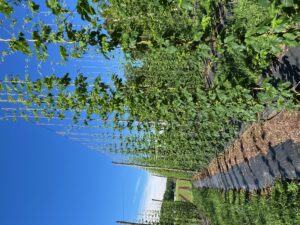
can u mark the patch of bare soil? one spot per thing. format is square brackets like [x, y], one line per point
[257, 139]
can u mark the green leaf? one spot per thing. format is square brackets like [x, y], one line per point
[229, 39]
[262, 29]
[20, 44]
[65, 80]
[290, 36]
[46, 30]
[187, 5]
[33, 6]
[264, 3]
[205, 22]
[55, 7]
[227, 84]
[85, 10]
[63, 52]
[27, 19]
[5, 8]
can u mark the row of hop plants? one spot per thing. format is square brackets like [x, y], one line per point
[172, 212]
[183, 123]
[87, 105]
[201, 121]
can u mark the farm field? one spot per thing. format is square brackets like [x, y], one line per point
[197, 100]
[184, 191]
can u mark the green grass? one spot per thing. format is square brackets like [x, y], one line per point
[186, 193]
[280, 206]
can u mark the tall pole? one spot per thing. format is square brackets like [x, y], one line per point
[130, 223]
[152, 167]
[157, 200]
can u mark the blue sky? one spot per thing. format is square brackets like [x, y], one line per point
[49, 179]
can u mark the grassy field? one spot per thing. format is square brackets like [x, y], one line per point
[278, 206]
[183, 191]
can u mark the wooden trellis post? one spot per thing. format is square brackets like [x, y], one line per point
[130, 223]
[153, 167]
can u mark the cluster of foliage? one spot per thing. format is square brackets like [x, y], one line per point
[279, 206]
[193, 76]
[52, 96]
[183, 175]
[72, 41]
[170, 187]
[179, 213]
[199, 86]
[193, 73]
[173, 212]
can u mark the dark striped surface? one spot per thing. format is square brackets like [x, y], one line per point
[281, 162]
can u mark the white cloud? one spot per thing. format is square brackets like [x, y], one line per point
[137, 186]
[154, 189]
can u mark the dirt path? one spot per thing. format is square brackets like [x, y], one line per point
[264, 152]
